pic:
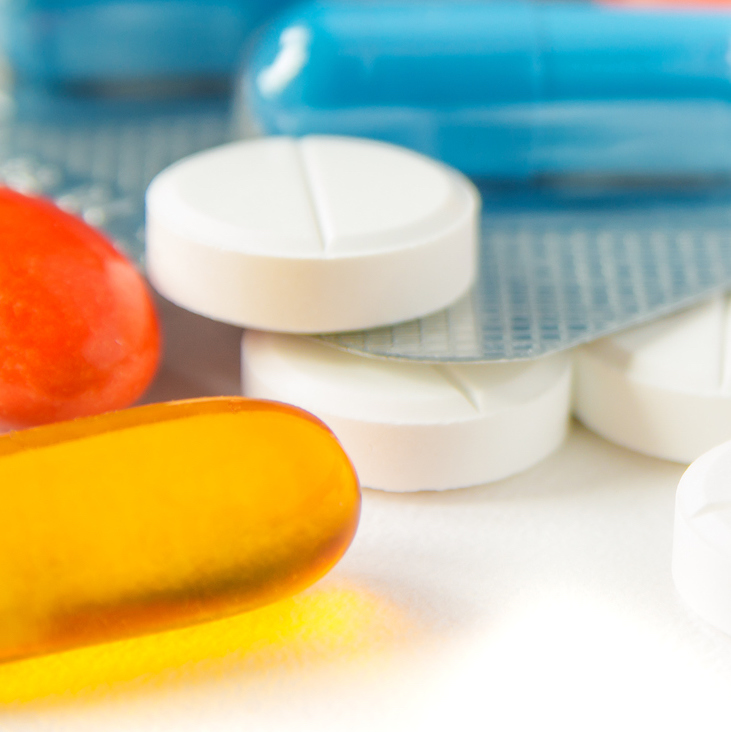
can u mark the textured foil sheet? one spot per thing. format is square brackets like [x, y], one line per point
[560, 265]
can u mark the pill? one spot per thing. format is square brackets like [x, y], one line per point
[313, 235]
[702, 537]
[78, 330]
[663, 389]
[415, 426]
[509, 90]
[96, 44]
[164, 515]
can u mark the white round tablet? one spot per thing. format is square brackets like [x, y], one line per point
[410, 427]
[663, 389]
[318, 234]
[702, 537]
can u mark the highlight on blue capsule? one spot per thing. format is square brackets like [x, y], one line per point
[505, 89]
[97, 42]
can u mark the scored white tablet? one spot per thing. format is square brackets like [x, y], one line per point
[702, 537]
[663, 389]
[414, 426]
[318, 234]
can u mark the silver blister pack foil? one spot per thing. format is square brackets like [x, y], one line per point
[556, 272]
[95, 158]
[559, 265]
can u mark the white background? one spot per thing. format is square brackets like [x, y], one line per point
[543, 601]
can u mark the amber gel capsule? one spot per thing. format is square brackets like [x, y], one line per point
[156, 517]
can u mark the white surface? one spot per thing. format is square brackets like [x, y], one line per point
[541, 602]
[409, 426]
[313, 235]
[664, 388]
[702, 537]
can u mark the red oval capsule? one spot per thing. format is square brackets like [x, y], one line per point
[78, 329]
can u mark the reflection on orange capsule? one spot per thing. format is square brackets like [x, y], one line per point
[164, 515]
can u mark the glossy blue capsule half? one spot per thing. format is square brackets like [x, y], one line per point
[99, 42]
[505, 89]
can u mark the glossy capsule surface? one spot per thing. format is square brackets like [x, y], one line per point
[91, 43]
[165, 515]
[505, 89]
[79, 334]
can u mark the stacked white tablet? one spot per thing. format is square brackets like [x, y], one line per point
[331, 234]
[313, 235]
[664, 388]
[413, 426]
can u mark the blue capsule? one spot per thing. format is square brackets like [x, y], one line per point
[91, 43]
[505, 89]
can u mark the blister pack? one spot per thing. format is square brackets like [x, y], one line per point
[559, 265]
[95, 157]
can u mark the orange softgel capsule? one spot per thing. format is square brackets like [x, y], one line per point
[164, 515]
[78, 330]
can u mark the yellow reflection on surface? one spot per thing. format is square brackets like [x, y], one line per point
[321, 625]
